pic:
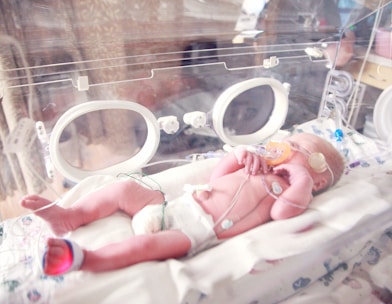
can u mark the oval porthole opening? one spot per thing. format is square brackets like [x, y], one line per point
[135, 162]
[271, 111]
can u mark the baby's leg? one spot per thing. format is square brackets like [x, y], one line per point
[126, 196]
[148, 247]
[57, 217]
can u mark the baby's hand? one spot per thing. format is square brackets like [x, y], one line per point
[252, 162]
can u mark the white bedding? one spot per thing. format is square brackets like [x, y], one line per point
[333, 213]
[268, 264]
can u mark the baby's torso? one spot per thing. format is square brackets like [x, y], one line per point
[239, 202]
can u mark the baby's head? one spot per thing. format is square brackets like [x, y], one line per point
[319, 147]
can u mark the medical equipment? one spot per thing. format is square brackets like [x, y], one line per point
[71, 259]
[92, 91]
[276, 153]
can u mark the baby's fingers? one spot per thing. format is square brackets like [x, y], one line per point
[263, 165]
[256, 164]
[248, 162]
[253, 164]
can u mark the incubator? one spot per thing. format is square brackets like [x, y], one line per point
[112, 88]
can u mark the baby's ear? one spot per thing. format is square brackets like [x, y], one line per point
[320, 184]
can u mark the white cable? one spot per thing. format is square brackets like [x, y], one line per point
[233, 202]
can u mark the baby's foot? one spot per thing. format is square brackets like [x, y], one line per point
[54, 215]
[61, 256]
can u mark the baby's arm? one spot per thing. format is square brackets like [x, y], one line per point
[238, 159]
[297, 197]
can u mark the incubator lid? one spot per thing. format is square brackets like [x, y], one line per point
[208, 73]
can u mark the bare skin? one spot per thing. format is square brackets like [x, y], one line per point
[253, 208]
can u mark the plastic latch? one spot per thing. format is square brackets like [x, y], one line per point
[270, 62]
[82, 83]
[169, 124]
[314, 52]
[196, 119]
[287, 86]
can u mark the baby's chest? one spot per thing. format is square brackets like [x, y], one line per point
[273, 185]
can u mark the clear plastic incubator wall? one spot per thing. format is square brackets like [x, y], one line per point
[93, 91]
